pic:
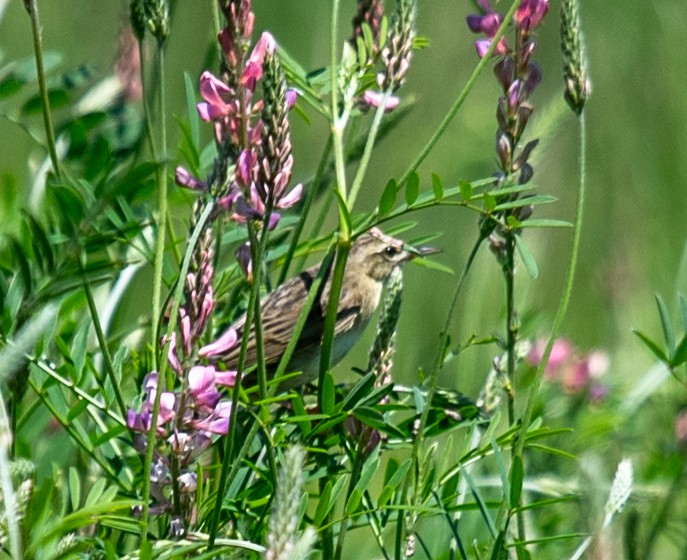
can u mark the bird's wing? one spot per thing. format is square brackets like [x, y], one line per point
[280, 312]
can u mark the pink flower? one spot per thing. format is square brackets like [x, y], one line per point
[218, 421]
[253, 71]
[219, 98]
[183, 178]
[201, 385]
[561, 352]
[373, 99]
[220, 346]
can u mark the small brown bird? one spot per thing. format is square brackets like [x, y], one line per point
[372, 258]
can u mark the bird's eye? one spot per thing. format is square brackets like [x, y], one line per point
[390, 251]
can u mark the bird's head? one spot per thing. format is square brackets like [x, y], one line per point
[378, 254]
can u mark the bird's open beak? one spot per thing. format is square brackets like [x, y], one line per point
[421, 251]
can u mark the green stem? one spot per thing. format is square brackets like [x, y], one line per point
[305, 211]
[230, 442]
[339, 120]
[152, 433]
[432, 381]
[107, 358]
[367, 151]
[565, 299]
[511, 322]
[353, 481]
[162, 208]
[462, 96]
[32, 9]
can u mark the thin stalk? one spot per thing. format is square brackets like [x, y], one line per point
[152, 432]
[356, 469]
[342, 251]
[32, 9]
[511, 323]
[162, 206]
[462, 96]
[432, 381]
[305, 211]
[107, 358]
[339, 120]
[367, 151]
[230, 442]
[565, 298]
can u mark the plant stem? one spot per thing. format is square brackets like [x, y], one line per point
[32, 9]
[162, 207]
[107, 358]
[462, 96]
[305, 211]
[367, 151]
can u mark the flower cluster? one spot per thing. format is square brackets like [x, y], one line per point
[394, 51]
[186, 421]
[254, 135]
[518, 76]
[576, 372]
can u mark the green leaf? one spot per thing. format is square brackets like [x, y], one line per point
[666, 323]
[526, 201]
[489, 202]
[360, 390]
[544, 223]
[9, 86]
[353, 501]
[388, 198]
[94, 496]
[412, 188]
[465, 190]
[399, 474]
[369, 416]
[679, 356]
[22, 263]
[653, 346]
[437, 187]
[527, 258]
[56, 98]
[433, 265]
[193, 118]
[74, 489]
[79, 346]
[41, 244]
[517, 474]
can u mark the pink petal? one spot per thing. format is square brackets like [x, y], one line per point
[220, 346]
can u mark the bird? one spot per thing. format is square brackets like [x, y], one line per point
[372, 258]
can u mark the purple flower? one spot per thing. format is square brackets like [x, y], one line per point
[530, 13]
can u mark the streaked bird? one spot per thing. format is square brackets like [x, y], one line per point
[371, 260]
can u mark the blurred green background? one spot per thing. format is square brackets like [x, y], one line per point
[635, 225]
